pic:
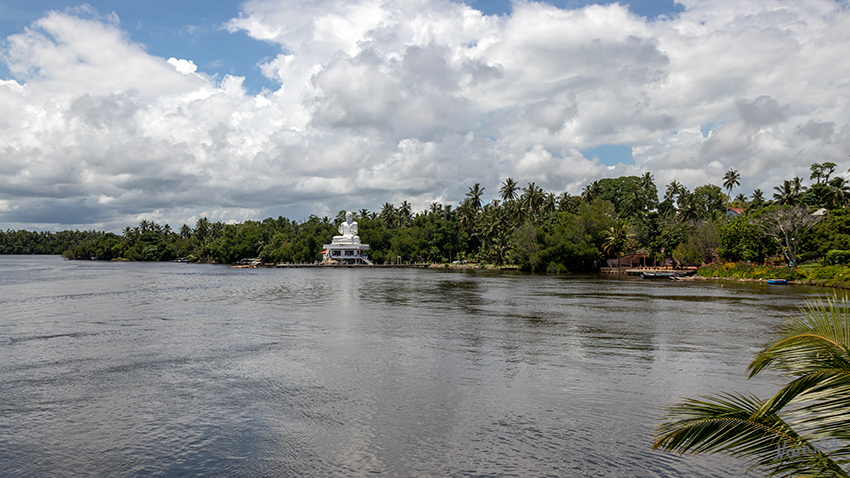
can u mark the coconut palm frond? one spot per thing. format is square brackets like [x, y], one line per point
[812, 409]
[818, 340]
[730, 424]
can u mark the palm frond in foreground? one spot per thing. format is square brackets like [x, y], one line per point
[803, 430]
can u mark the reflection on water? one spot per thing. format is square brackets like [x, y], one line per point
[176, 369]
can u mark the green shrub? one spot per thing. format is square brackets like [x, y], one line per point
[834, 258]
[830, 274]
[739, 270]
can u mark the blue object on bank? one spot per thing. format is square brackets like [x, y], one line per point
[777, 281]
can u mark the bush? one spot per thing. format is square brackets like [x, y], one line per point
[738, 270]
[834, 258]
[830, 275]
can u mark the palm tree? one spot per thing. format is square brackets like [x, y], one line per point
[532, 199]
[646, 180]
[508, 191]
[403, 214]
[467, 216]
[797, 431]
[202, 228]
[474, 196]
[673, 190]
[797, 184]
[566, 202]
[549, 203]
[591, 191]
[185, 231]
[616, 238]
[786, 194]
[731, 180]
[388, 214]
[499, 248]
[688, 211]
[839, 193]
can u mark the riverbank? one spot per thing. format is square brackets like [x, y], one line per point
[810, 274]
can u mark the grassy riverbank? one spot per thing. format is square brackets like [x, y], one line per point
[814, 274]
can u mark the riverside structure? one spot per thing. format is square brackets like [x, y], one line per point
[346, 248]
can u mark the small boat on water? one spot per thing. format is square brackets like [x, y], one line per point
[777, 281]
[659, 275]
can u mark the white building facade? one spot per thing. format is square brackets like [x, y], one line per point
[346, 248]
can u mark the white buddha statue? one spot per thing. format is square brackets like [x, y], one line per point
[348, 231]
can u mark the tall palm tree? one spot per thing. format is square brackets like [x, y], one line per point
[786, 194]
[566, 202]
[202, 228]
[508, 191]
[404, 213]
[616, 238]
[591, 191]
[797, 184]
[474, 196]
[549, 203]
[673, 190]
[646, 180]
[797, 432]
[532, 199]
[839, 193]
[467, 216]
[687, 207]
[388, 214]
[731, 180]
[185, 231]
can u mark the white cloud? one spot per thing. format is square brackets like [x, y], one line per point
[383, 102]
[183, 66]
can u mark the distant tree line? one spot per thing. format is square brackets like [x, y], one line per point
[526, 226]
[32, 242]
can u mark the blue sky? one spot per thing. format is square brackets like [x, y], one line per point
[194, 29]
[235, 111]
[182, 29]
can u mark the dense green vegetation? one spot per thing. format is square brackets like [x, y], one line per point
[31, 242]
[528, 227]
[738, 270]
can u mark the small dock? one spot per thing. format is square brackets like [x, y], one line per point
[349, 266]
[650, 272]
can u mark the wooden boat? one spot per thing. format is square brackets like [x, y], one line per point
[659, 275]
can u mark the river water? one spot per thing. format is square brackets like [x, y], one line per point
[137, 369]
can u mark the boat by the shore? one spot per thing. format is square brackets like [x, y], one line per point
[668, 274]
[659, 275]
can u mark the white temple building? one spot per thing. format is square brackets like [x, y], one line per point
[346, 248]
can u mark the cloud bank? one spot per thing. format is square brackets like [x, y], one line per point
[414, 100]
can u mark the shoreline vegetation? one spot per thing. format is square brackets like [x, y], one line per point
[614, 221]
[809, 274]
